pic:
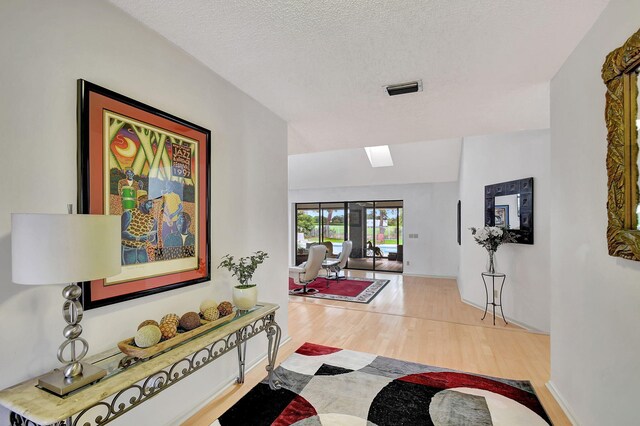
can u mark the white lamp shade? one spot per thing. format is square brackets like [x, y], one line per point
[64, 248]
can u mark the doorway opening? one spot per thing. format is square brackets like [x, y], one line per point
[374, 227]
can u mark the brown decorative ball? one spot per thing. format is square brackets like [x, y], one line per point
[170, 318]
[147, 322]
[211, 314]
[225, 308]
[168, 330]
[189, 321]
[147, 336]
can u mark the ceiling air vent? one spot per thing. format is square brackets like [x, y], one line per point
[402, 88]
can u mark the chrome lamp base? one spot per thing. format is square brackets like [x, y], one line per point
[74, 374]
[57, 383]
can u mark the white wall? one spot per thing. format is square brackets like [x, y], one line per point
[493, 159]
[417, 162]
[45, 47]
[595, 311]
[429, 211]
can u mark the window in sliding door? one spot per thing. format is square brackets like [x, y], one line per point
[307, 229]
[360, 234]
[388, 242]
[333, 227]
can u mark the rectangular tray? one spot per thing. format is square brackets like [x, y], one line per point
[128, 346]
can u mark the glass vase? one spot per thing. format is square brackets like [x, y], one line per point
[491, 262]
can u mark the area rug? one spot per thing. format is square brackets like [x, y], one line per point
[348, 290]
[332, 386]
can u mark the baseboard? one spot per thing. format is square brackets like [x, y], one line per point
[511, 320]
[230, 382]
[428, 276]
[561, 402]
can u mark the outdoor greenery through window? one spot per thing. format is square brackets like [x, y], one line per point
[307, 224]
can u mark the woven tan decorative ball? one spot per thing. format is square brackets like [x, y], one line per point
[206, 304]
[147, 336]
[211, 314]
[147, 322]
[170, 318]
[225, 308]
[189, 321]
[168, 330]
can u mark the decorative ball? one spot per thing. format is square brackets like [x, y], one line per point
[225, 308]
[190, 320]
[211, 314]
[206, 304]
[147, 336]
[147, 322]
[168, 330]
[170, 318]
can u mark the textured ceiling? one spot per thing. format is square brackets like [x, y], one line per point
[322, 65]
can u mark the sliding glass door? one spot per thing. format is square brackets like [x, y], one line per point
[374, 228]
[361, 235]
[388, 232]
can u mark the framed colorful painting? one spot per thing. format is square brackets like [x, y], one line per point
[153, 170]
[502, 216]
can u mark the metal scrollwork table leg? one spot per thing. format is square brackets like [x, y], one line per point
[273, 334]
[242, 355]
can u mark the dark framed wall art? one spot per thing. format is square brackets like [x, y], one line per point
[459, 222]
[153, 170]
[502, 216]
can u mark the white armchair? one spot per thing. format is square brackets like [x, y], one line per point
[308, 271]
[340, 262]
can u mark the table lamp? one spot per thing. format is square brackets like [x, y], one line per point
[62, 249]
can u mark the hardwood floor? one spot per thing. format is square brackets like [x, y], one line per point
[414, 319]
[417, 297]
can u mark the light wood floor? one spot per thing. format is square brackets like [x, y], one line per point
[413, 319]
[416, 297]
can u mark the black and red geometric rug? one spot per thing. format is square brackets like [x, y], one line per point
[349, 290]
[332, 386]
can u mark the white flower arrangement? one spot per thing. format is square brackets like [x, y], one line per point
[492, 237]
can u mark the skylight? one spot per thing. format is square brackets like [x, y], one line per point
[379, 156]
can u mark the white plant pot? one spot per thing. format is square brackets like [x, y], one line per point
[245, 298]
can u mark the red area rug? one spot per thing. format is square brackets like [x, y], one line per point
[349, 290]
[322, 385]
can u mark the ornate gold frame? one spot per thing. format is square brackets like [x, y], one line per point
[622, 148]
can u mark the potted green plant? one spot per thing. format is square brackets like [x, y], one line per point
[245, 295]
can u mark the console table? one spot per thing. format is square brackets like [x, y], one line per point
[130, 382]
[493, 276]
